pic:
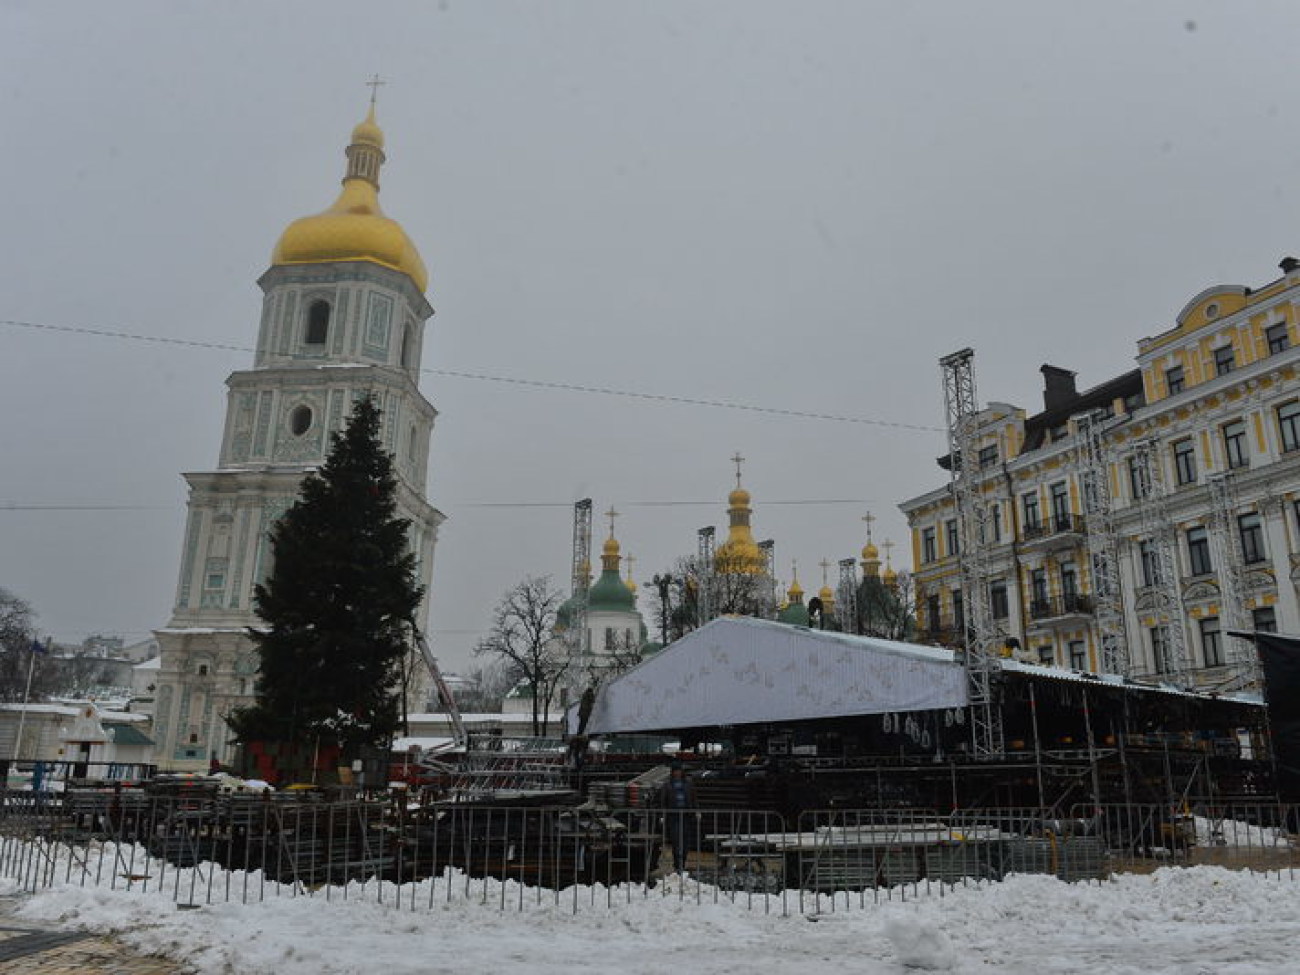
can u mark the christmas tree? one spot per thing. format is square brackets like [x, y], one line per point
[338, 606]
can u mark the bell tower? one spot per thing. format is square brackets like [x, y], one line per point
[343, 316]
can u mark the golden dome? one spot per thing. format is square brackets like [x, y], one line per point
[869, 552]
[610, 547]
[891, 577]
[795, 592]
[826, 595]
[738, 498]
[367, 131]
[354, 228]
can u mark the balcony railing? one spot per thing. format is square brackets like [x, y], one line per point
[1070, 604]
[1054, 525]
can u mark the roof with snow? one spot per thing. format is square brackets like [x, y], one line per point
[740, 670]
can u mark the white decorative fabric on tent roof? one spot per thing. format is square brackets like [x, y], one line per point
[738, 670]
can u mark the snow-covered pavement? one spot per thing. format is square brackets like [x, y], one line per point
[1184, 921]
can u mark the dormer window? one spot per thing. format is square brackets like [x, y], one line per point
[318, 323]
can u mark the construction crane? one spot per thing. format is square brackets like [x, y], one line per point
[460, 738]
[981, 635]
[1094, 464]
[1157, 530]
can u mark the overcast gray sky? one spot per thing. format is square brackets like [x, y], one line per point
[798, 206]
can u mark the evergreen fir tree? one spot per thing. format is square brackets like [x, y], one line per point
[338, 605]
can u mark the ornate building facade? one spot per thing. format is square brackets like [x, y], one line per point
[1152, 513]
[343, 316]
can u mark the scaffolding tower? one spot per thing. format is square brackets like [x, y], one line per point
[1094, 466]
[704, 573]
[846, 597]
[1231, 560]
[981, 637]
[1157, 530]
[767, 585]
[580, 581]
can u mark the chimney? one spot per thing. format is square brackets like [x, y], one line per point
[1058, 387]
[1288, 264]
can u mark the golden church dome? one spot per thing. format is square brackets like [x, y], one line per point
[738, 497]
[870, 552]
[368, 132]
[354, 228]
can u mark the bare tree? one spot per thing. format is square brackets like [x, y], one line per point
[18, 655]
[522, 635]
[887, 611]
[728, 594]
[489, 686]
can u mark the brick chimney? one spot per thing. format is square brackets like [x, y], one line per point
[1058, 387]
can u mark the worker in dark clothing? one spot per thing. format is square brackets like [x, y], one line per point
[680, 817]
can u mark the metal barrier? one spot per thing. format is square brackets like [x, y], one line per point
[205, 848]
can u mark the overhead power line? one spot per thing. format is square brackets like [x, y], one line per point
[109, 506]
[509, 380]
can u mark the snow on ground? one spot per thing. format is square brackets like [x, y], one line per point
[1192, 921]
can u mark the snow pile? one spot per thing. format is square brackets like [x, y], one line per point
[1184, 921]
[920, 945]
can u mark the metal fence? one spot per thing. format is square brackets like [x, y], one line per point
[208, 848]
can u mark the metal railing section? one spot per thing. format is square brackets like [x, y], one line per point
[206, 849]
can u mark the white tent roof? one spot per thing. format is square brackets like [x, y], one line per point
[738, 670]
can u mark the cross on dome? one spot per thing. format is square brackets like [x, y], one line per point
[737, 460]
[825, 564]
[888, 546]
[373, 84]
[611, 514]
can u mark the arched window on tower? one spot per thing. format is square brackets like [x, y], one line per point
[318, 323]
[405, 356]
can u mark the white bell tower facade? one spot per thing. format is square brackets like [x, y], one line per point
[343, 316]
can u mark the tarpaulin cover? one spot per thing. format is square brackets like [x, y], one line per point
[739, 670]
[1279, 657]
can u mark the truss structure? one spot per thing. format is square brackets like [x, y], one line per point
[981, 635]
[1157, 530]
[1094, 466]
[846, 596]
[704, 597]
[1231, 561]
[580, 580]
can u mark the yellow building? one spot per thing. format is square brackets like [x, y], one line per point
[1215, 405]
